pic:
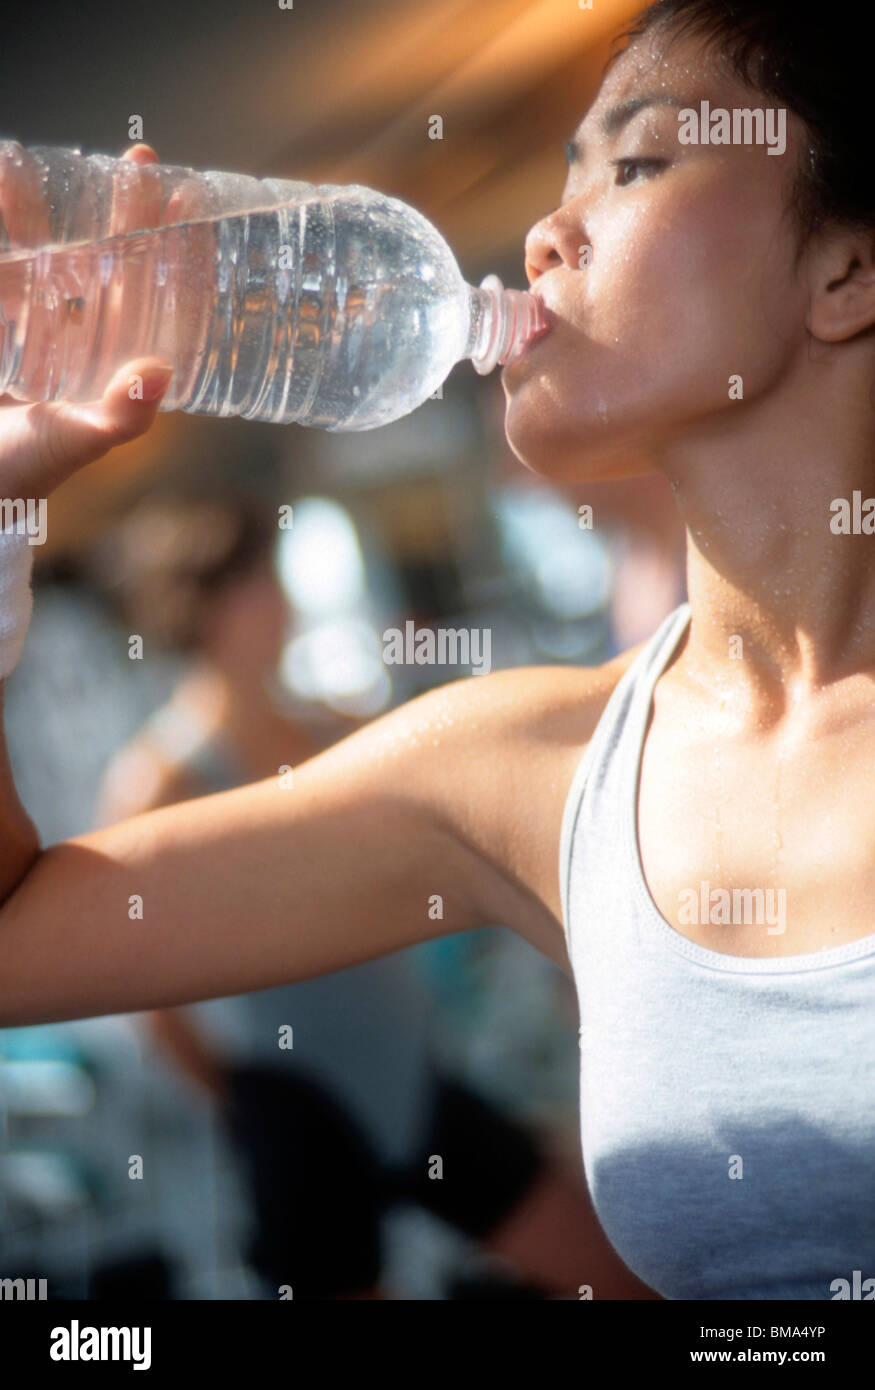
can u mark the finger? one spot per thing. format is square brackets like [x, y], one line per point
[43, 444]
[140, 154]
[129, 403]
[78, 434]
[185, 203]
[22, 205]
[136, 194]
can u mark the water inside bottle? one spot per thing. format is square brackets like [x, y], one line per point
[327, 336]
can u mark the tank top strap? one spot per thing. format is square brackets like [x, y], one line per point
[616, 742]
[196, 751]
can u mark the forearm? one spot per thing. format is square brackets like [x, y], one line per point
[392, 837]
[240, 891]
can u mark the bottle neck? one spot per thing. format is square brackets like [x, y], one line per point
[501, 323]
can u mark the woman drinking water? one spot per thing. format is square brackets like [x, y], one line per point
[688, 829]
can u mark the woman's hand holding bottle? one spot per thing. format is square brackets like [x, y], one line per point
[43, 444]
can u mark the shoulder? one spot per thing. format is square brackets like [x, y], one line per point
[538, 705]
[483, 727]
[502, 751]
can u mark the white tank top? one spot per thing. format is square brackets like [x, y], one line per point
[727, 1104]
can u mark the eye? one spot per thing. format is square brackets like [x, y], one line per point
[627, 169]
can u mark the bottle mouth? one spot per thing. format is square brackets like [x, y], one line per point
[511, 319]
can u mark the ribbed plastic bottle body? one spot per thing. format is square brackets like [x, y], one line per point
[50, 195]
[335, 307]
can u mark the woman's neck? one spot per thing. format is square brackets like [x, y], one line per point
[782, 604]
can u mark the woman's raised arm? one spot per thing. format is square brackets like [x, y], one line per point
[426, 822]
[390, 837]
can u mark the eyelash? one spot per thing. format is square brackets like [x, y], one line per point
[618, 164]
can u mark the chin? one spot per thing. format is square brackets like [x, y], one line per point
[585, 454]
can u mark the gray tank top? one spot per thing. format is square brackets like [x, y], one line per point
[727, 1104]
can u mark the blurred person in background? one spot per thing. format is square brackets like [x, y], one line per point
[648, 551]
[638, 518]
[328, 1087]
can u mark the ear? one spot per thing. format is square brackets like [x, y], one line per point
[842, 286]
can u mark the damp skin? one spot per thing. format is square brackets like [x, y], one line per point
[694, 278]
[690, 280]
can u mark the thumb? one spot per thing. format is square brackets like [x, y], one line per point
[43, 443]
[126, 409]
[68, 436]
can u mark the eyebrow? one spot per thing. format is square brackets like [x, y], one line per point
[620, 116]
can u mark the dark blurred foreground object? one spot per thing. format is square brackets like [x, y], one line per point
[147, 1275]
[319, 1190]
[314, 1182]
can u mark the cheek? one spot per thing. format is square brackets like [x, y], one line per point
[699, 289]
[679, 276]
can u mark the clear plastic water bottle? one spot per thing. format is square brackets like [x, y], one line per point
[336, 307]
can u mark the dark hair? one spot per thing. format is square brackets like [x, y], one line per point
[814, 60]
[163, 562]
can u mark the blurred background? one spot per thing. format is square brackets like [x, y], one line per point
[168, 1155]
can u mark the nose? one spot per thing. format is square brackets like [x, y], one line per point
[557, 239]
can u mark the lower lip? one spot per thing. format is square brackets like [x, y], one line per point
[527, 346]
